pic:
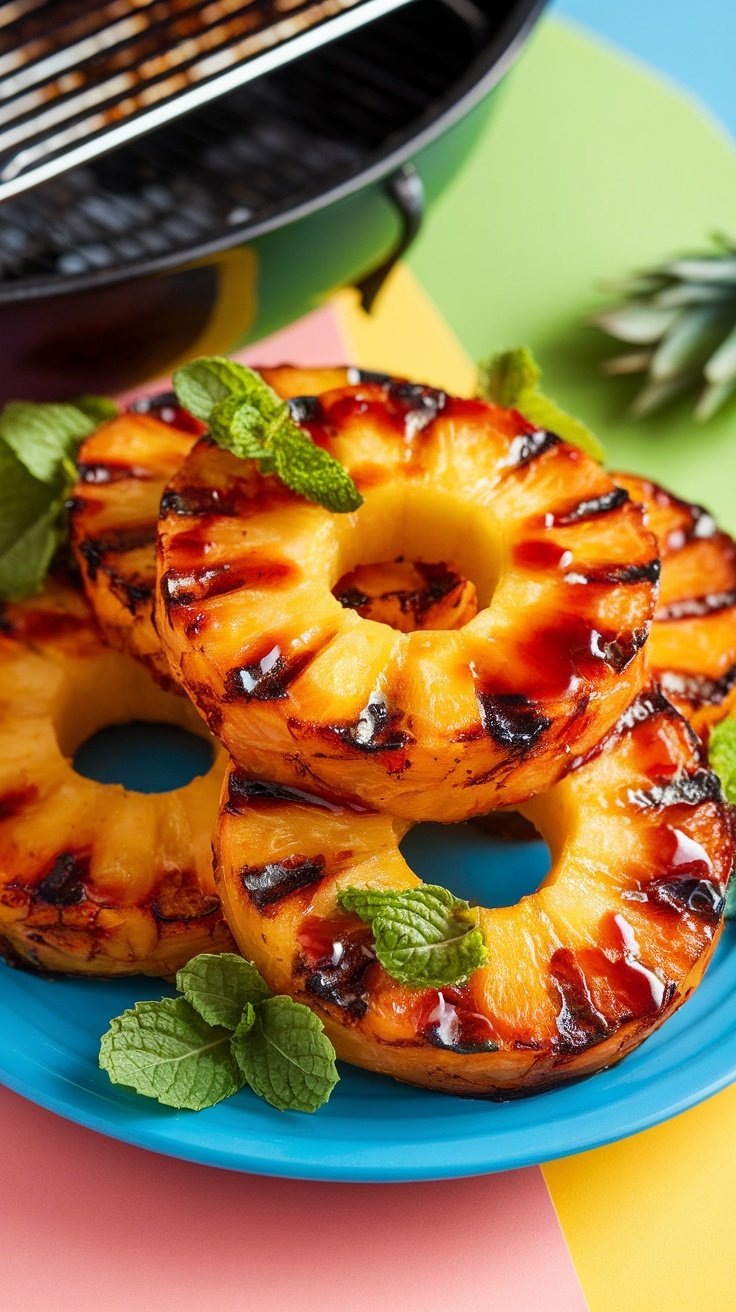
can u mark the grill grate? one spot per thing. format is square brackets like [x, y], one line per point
[78, 80]
[266, 147]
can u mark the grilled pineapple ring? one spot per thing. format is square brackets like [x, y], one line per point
[692, 647]
[94, 879]
[304, 691]
[578, 973]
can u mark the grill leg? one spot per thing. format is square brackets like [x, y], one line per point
[405, 190]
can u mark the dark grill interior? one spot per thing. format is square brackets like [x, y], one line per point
[262, 149]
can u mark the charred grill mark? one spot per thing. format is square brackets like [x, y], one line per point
[590, 508]
[63, 884]
[612, 575]
[512, 720]
[416, 405]
[335, 966]
[685, 893]
[687, 789]
[267, 679]
[198, 500]
[619, 652]
[115, 543]
[579, 1023]
[187, 587]
[179, 898]
[279, 879]
[356, 376]
[693, 608]
[377, 728]
[353, 599]
[450, 1022]
[306, 409]
[698, 689]
[16, 800]
[165, 407]
[103, 472]
[133, 593]
[649, 703]
[528, 447]
[244, 792]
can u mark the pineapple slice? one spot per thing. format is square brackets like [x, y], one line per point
[692, 649]
[578, 973]
[94, 879]
[454, 722]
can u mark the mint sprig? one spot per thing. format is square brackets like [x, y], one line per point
[424, 936]
[722, 758]
[227, 1031]
[38, 445]
[512, 378]
[248, 418]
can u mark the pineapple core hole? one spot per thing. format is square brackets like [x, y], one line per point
[476, 863]
[144, 757]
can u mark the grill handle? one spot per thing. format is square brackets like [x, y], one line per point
[405, 190]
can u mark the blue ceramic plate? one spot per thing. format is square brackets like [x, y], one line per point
[373, 1129]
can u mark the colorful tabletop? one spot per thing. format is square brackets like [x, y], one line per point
[591, 166]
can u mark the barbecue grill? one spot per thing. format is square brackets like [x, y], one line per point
[189, 181]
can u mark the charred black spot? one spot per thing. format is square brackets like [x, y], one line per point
[591, 508]
[702, 897]
[266, 680]
[512, 720]
[100, 473]
[619, 652]
[244, 792]
[340, 978]
[198, 501]
[306, 409]
[356, 376]
[579, 1023]
[63, 885]
[608, 575]
[528, 446]
[649, 703]
[352, 599]
[687, 789]
[417, 405]
[116, 543]
[695, 608]
[698, 689]
[377, 728]
[278, 879]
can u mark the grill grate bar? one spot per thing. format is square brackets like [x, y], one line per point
[108, 73]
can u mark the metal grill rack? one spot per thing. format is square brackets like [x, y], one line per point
[77, 80]
[244, 158]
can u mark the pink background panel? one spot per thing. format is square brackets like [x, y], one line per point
[91, 1224]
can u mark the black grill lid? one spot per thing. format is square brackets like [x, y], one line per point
[79, 79]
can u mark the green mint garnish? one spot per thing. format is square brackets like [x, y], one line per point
[248, 418]
[164, 1050]
[225, 1032]
[722, 757]
[220, 986]
[99, 408]
[424, 936]
[286, 1057]
[38, 445]
[512, 378]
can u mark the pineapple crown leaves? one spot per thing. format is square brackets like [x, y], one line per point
[680, 318]
[248, 418]
[226, 1031]
[38, 445]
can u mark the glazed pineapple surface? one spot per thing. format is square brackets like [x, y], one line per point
[692, 647]
[578, 973]
[448, 722]
[94, 879]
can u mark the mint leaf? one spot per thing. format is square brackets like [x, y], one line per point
[722, 756]
[286, 1057]
[511, 379]
[204, 383]
[164, 1050]
[424, 936]
[219, 987]
[503, 378]
[311, 472]
[246, 1022]
[44, 436]
[248, 418]
[98, 408]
